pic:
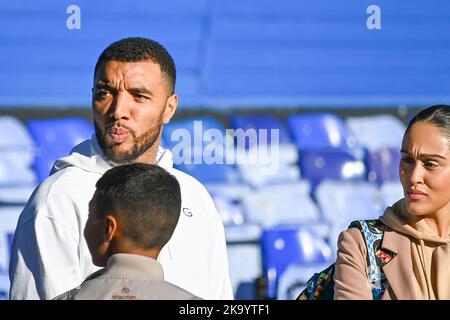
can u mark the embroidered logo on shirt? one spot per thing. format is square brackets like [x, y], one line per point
[187, 212]
[124, 295]
[119, 297]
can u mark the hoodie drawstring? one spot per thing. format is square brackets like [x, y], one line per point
[424, 266]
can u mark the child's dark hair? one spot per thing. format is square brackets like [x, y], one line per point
[145, 198]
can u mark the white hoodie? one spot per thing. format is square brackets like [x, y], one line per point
[50, 256]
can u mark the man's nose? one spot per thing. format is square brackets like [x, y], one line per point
[120, 107]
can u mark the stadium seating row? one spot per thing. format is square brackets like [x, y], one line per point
[253, 53]
[329, 171]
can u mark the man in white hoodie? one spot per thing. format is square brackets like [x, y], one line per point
[133, 97]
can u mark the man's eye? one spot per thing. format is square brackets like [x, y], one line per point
[408, 160]
[141, 97]
[101, 94]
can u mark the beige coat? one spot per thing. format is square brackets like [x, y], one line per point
[128, 277]
[351, 267]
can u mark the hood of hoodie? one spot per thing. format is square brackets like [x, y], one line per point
[429, 253]
[88, 156]
[400, 220]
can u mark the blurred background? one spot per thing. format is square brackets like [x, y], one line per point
[338, 90]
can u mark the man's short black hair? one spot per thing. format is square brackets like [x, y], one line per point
[145, 198]
[137, 50]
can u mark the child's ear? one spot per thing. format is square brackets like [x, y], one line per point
[110, 227]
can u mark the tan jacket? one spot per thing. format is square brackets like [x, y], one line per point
[128, 277]
[351, 267]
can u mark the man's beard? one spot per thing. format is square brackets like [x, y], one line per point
[140, 144]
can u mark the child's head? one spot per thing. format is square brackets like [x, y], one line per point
[135, 209]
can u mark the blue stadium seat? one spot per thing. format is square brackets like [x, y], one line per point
[195, 126]
[378, 131]
[245, 233]
[319, 130]
[9, 216]
[391, 192]
[230, 213]
[187, 139]
[10, 237]
[341, 202]
[191, 133]
[264, 162]
[15, 136]
[281, 205]
[54, 138]
[383, 165]
[246, 290]
[256, 53]
[211, 173]
[16, 195]
[4, 285]
[230, 191]
[283, 246]
[261, 122]
[17, 179]
[348, 200]
[68, 56]
[228, 201]
[14, 173]
[244, 260]
[338, 164]
[59, 135]
[259, 175]
[262, 54]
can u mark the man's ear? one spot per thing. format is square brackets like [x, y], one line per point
[171, 107]
[111, 228]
